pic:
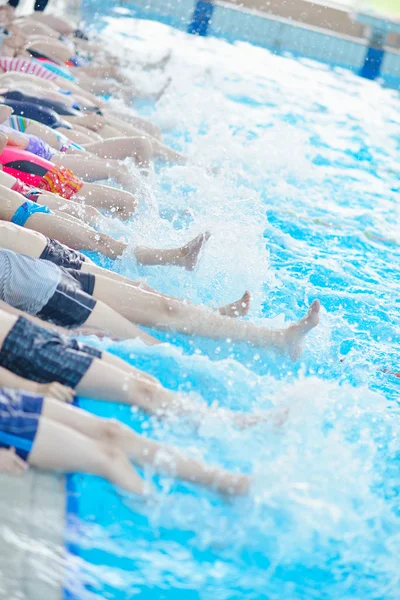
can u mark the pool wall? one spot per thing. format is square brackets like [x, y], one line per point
[277, 33]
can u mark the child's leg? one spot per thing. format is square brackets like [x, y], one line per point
[113, 380]
[119, 202]
[79, 236]
[186, 256]
[138, 147]
[151, 309]
[61, 448]
[162, 458]
[238, 308]
[109, 321]
[84, 212]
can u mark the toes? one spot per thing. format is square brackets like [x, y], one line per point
[315, 307]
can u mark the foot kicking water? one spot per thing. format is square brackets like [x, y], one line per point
[189, 254]
[237, 309]
[294, 335]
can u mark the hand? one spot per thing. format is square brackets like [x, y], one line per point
[57, 391]
[11, 463]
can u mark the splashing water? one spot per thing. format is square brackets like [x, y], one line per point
[304, 205]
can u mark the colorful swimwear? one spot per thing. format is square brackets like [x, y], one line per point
[39, 172]
[38, 55]
[17, 123]
[65, 143]
[77, 61]
[21, 123]
[26, 66]
[62, 181]
[26, 210]
[26, 190]
[19, 420]
[24, 165]
[55, 70]
[40, 148]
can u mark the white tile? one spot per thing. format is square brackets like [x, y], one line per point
[36, 590]
[12, 589]
[32, 517]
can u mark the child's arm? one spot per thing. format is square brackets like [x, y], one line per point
[52, 390]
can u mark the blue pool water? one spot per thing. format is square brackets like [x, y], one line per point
[305, 205]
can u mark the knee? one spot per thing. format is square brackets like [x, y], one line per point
[169, 308]
[110, 431]
[92, 212]
[152, 129]
[149, 392]
[144, 150]
[128, 207]
[109, 455]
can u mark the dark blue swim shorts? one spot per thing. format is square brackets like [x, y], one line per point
[19, 420]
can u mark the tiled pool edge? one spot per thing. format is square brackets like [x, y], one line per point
[32, 530]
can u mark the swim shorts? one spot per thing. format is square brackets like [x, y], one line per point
[19, 420]
[72, 303]
[26, 210]
[62, 256]
[61, 181]
[44, 356]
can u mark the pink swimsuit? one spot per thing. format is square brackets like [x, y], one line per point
[39, 172]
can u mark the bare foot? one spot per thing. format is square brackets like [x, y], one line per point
[294, 335]
[240, 308]
[189, 254]
[161, 63]
[158, 95]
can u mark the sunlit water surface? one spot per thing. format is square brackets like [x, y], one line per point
[305, 205]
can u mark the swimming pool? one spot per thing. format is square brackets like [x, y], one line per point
[305, 205]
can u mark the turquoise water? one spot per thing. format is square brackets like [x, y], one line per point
[305, 205]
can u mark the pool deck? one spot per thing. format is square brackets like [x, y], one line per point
[32, 524]
[32, 507]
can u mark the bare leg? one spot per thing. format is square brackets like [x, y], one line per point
[151, 310]
[78, 236]
[138, 147]
[166, 154]
[186, 257]
[82, 237]
[136, 121]
[103, 86]
[93, 168]
[80, 135]
[239, 308]
[155, 310]
[83, 212]
[60, 448]
[111, 379]
[107, 320]
[143, 451]
[160, 150]
[112, 199]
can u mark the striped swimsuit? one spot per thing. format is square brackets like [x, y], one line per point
[24, 65]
